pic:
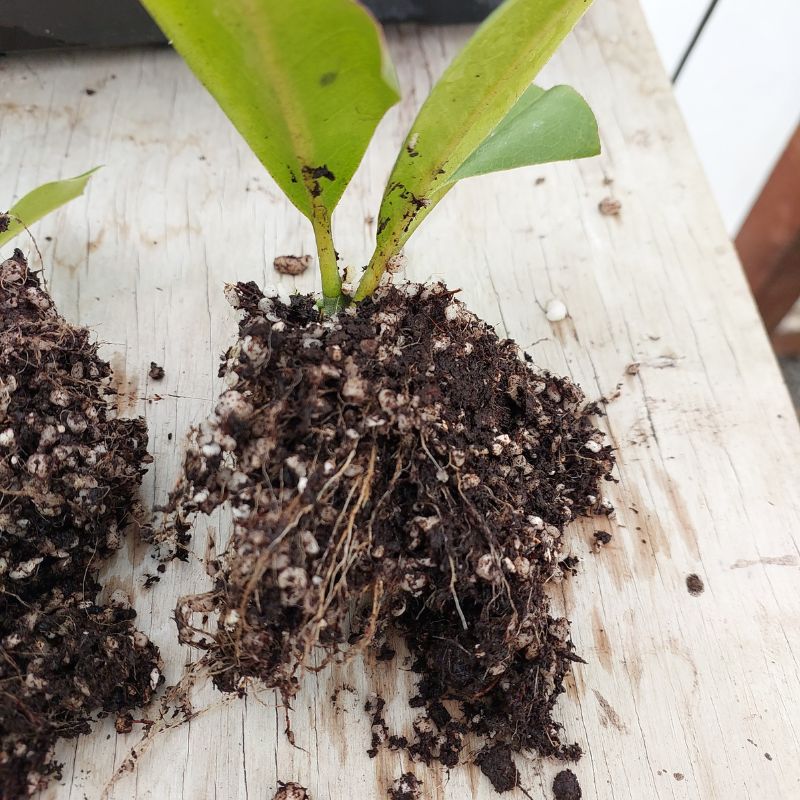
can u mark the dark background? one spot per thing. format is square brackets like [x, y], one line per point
[42, 24]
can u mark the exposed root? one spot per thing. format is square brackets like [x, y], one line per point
[175, 709]
[397, 467]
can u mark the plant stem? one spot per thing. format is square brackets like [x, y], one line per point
[328, 268]
[372, 275]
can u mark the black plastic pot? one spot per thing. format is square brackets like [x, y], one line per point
[41, 24]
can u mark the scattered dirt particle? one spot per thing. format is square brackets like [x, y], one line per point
[633, 368]
[566, 786]
[292, 265]
[156, 372]
[291, 791]
[569, 565]
[679, 776]
[609, 207]
[601, 538]
[768, 756]
[123, 723]
[498, 766]
[540, 180]
[694, 583]
[406, 787]
[90, 92]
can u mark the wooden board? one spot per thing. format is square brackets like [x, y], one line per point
[682, 696]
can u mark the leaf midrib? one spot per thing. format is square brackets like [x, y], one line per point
[299, 135]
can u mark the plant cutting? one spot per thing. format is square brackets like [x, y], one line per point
[69, 475]
[393, 467]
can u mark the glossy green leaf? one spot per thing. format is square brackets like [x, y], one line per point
[544, 126]
[304, 81]
[473, 96]
[41, 201]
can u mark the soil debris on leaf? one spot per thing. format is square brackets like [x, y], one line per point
[406, 787]
[292, 265]
[402, 460]
[566, 786]
[68, 481]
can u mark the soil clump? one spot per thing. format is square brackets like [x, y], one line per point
[397, 467]
[69, 475]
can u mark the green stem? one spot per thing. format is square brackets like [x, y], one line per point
[372, 275]
[328, 268]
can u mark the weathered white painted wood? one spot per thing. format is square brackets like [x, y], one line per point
[682, 696]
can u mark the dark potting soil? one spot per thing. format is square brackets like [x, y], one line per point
[566, 786]
[406, 787]
[498, 766]
[68, 481]
[402, 459]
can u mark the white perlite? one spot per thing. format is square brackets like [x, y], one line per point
[555, 311]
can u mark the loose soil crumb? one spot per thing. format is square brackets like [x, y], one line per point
[156, 372]
[695, 585]
[400, 459]
[292, 265]
[406, 787]
[68, 480]
[609, 207]
[601, 538]
[498, 766]
[291, 791]
[123, 723]
[566, 786]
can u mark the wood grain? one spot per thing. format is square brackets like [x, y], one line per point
[683, 696]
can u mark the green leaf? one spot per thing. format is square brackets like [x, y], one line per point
[304, 81]
[41, 201]
[544, 126]
[473, 96]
